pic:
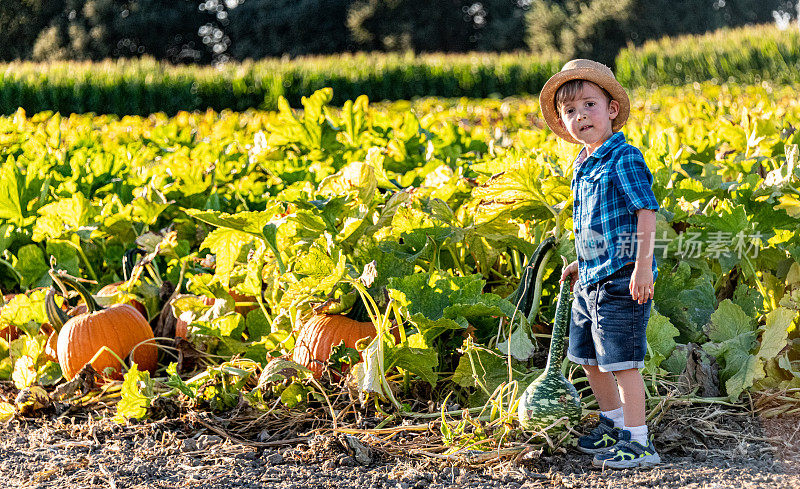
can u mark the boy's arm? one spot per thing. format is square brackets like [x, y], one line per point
[641, 285]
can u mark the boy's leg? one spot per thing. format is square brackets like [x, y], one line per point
[621, 341]
[634, 448]
[631, 389]
[607, 432]
[604, 386]
[582, 351]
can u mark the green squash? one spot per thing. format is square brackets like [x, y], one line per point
[529, 292]
[551, 396]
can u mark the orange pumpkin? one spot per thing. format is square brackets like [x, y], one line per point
[119, 328]
[323, 331]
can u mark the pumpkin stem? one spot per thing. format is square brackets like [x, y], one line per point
[359, 311]
[55, 315]
[65, 279]
[135, 268]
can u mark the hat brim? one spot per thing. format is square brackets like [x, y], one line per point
[547, 98]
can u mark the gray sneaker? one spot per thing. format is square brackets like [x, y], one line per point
[628, 454]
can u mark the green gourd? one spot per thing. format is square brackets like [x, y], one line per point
[551, 396]
[529, 292]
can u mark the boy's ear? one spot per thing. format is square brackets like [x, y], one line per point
[613, 109]
[561, 124]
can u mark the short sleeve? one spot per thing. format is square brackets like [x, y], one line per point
[634, 181]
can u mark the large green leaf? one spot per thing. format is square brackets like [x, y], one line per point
[137, 394]
[354, 119]
[773, 342]
[420, 361]
[427, 293]
[660, 340]
[484, 370]
[519, 345]
[728, 321]
[63, 216]
[251, 222]
[229, 248]
[32, 266]
[529, 187]
[741, 378]
[11, 183]
[436, 303]
[733, 339]
[687, 302]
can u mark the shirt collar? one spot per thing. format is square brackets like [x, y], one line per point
[616, 139]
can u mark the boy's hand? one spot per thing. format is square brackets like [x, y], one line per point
[571, 271]
[641, 285]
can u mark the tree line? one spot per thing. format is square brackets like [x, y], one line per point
[192, 31]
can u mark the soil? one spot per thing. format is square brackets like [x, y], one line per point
[702, 447]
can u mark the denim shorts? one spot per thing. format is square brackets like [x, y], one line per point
[608, 327]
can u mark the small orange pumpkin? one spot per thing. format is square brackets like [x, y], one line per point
[322, 332]
[119, 328]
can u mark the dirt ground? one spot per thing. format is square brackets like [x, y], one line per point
[702, 447]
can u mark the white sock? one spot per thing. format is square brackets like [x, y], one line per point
[639, 433]
[616, 416]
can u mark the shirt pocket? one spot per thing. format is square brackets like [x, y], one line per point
[592, 188]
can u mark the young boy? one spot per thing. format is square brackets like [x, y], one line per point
[614, 222]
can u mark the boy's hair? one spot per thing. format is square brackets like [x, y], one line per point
[569, 90]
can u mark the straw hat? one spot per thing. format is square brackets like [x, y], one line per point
[582, 69]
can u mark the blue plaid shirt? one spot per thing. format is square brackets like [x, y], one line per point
[609, 187]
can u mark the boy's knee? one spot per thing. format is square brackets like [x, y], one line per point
[628, 372]
[592, 370]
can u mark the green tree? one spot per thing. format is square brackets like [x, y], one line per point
[261, 28]
[438, 25]
[497, 25]
[20, 24]
[416, 25]
[598, 29]
[97, 29]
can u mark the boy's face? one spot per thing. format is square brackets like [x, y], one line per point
[589, 116]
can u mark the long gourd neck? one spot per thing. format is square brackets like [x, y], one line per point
[529, 293]
[556, 355]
